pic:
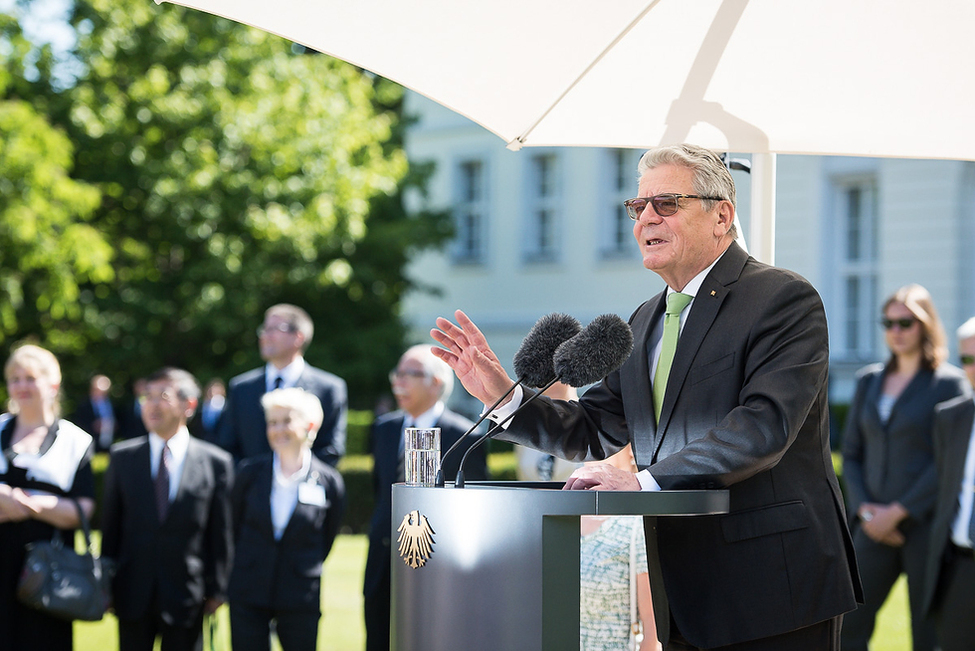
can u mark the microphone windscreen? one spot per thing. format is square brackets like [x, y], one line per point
[594, 353]
[533, 361]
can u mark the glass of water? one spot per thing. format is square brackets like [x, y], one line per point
[422, 450]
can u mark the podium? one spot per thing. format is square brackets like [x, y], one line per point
[495, 565]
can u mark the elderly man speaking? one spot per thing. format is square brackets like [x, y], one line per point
[725, 388]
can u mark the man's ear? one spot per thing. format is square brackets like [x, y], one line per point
[725, 218]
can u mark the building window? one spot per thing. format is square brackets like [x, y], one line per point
[470, 213]
[541, 232]
[620, 184]
[856, 247]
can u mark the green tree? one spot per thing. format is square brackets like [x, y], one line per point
[47, 244]
[235, 172]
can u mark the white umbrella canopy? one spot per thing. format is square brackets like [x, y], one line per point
[850, 77]
[860, 77]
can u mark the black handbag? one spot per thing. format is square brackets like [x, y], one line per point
[63, 583]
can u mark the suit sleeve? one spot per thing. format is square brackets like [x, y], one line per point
[852, 446]
[329, 445]
[336, 509]
[227, 436]
[220, 544]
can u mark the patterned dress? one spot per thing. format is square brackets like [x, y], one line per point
[604, 599]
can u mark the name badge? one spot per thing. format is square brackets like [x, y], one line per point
[312, 494]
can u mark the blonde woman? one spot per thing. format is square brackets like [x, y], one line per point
[45, 465]
[888, 460]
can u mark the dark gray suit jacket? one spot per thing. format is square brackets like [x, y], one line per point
[182, 561]
[890, 462]
[953, 422]
[745, 409]
[282, 574]
[242, 429]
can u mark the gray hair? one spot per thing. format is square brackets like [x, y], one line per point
[306, 404]
[434, 367]
[711, 175]
[967, 329]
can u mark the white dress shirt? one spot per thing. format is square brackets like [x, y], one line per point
[284, 492]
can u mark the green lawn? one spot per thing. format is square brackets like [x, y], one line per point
[343, 630]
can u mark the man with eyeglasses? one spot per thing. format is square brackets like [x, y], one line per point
[166, 522]
[421, 385]
[950, 577]
[283, 338]
[725, 388]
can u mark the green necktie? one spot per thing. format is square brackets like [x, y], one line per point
[676, 302]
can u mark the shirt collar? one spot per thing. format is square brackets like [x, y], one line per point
[694, 286]
[429, 418]
[177, 444]
[283, 480]
[289, 374]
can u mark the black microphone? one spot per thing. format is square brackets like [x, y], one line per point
[532, 363]
[586, 358]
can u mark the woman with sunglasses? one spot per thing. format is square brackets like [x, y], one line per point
[888, 460]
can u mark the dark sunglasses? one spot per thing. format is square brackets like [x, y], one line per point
[967, 360]
[664, 205]
[903, 324]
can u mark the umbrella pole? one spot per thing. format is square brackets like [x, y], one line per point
[761, 229]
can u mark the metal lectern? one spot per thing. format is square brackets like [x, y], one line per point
[494, 566]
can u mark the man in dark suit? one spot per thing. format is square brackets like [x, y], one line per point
[742, 406]
[166, 522]
[421, 385]
[950, 576]
[284, 337]
[96, 415]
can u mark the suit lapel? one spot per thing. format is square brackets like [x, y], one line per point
[194, 470]
[143, 477]
[635, 381]
[704, 311]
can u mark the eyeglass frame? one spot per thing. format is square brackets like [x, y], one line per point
[677, 196]
[396, 374]
[281, 327]
[902, 324]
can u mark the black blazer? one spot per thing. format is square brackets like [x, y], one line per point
[952, 431]
[183, 560]
[242, 430]
[746, 409]
[282, 574]
[388, 469]
[890, 462]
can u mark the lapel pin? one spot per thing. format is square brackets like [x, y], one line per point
[713, 293]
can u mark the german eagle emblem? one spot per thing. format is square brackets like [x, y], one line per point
[415, 539]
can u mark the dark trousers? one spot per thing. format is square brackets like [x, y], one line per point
[824, 636]
[376, 606]
[250, 628]
[880, 567]
[140, 634]
[955, 603]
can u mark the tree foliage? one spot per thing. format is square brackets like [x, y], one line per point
[47, 243]
[235, 173]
